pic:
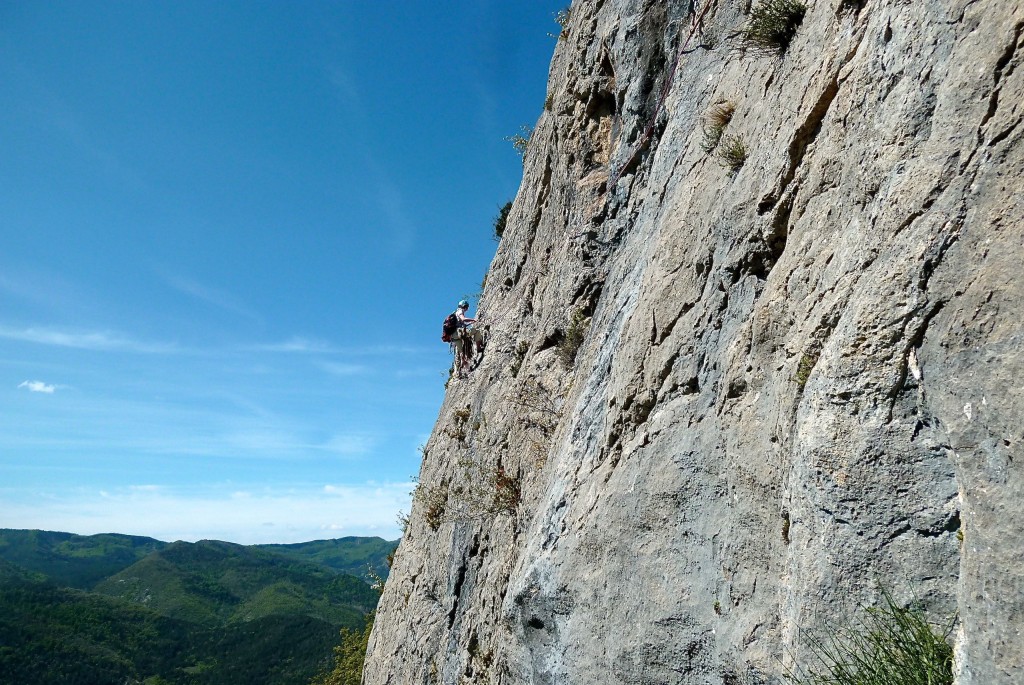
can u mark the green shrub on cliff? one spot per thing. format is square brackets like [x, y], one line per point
[773, 24]
[573, 338]
[500, 221]
[891, 645]
[349, 656]
[732, 153]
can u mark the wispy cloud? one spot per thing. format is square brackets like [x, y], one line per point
[298, 345]
[350, 444]
[102, 341]
[398, 228]
[248, 516]
[304, 345]
[212, 296]
[46, 288]
[38, 386]
[351, 98]
[391, 203]
[342, 369]
[270, 441]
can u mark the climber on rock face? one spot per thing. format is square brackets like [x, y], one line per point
[472, 337]
[467, 342]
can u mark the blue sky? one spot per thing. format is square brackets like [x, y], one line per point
[229, 233]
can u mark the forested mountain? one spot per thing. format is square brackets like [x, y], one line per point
[211, 582]
[349, 555]
[115, 609]
[77, 561]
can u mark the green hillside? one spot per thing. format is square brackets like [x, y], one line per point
[61, 636]
[350, 555]
[212, 582]
[119, 609]
[77, 561]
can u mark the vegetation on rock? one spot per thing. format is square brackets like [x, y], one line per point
[717, 118]
[562, 19]
[890, 645]
[773, 24]
[570, 343]
[500, 221]
[349, 655]
[521, 141]
[732, 152]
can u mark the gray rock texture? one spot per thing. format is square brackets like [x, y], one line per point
[800, 380]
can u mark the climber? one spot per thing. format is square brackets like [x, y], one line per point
[466, 340]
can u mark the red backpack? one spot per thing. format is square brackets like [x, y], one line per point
[448, 328]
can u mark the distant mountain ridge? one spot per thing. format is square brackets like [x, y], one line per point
[80, 561]
[353, 555]
[117, 608]
[211, 582]
[77, 561]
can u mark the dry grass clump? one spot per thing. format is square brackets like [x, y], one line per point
[435, 502]
[483, 491]
[562, 19]
[715, 122]
[521, 141]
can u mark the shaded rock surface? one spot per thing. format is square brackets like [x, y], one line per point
[799, 381]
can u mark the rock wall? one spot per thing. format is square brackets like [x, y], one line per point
[799, 381]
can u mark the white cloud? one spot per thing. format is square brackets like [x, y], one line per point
[252, 441]
[297, 514]
[102, 341]
[299, 345]
[341, 369]
[38, 386]
[350, 444]
[303, 345]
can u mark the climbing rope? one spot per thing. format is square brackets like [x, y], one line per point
[613, 177]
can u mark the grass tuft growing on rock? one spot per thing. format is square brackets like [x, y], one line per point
[435, 503]
[773, 24]
[890, 645]
[717, 118]
[477, 492]
[571, 342]
[732, 153]
[805, 367]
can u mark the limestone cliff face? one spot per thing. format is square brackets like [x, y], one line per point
[800, 381]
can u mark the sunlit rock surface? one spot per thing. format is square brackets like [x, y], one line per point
[801, 382]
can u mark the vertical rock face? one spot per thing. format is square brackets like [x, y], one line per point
[800, 377]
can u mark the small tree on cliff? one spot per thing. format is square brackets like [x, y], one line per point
[348, 658]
